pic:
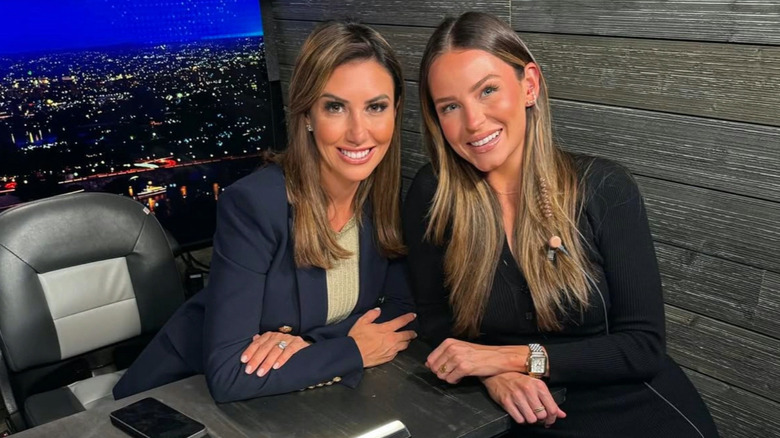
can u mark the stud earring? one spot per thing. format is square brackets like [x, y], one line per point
[309, 128]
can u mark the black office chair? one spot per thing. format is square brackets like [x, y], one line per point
[85, 280]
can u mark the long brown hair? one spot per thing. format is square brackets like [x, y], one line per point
[330, 45]
[465, 202]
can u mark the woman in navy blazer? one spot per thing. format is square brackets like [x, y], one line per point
[259, 328]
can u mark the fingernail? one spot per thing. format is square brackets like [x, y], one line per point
[260, 372]
[248, 369]
[377, 309]
[414, 315]
[276, 366]
[244, 359]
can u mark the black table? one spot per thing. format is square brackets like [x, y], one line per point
[401, 390]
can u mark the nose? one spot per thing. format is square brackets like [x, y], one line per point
[474, 117]
[357, 132]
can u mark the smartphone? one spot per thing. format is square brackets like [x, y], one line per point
[151, 418]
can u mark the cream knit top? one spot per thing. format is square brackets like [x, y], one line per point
[344, 277]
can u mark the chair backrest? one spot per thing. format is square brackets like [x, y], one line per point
[79, 272]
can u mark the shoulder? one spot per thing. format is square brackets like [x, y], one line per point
[608, 191]
[261, 192]
[605, 180]
[264, 185]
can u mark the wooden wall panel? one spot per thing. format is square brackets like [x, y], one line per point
[736, 228]
[404, 12]
[732, 157]
[730, 354]
[737, 413]
[732, 21]
[671, 76]
[741, 295]
[724, 81]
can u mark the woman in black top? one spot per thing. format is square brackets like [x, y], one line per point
[534, 269]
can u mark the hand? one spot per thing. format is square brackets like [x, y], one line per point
[264, 351]
[520, 395]
[453, 360]
[380, 343]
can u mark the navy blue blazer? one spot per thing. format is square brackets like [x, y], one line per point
[255, 287]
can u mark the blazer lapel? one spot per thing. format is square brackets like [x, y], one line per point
[312, 293]
[312, 297]
[370, 265]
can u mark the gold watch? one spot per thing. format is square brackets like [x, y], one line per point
[536, 364]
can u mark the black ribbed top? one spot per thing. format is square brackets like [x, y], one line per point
[583, 357]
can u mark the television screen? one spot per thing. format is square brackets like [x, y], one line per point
[164, 101]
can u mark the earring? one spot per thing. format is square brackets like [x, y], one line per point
[309, 128]
[532, 101]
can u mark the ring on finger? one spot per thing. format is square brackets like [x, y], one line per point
[443, 368]
[539, 409]
[282, 345]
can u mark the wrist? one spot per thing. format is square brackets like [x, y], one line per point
[516, 357]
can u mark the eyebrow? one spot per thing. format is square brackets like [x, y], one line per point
[472, 89]
[372, 100]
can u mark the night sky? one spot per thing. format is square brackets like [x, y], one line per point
[53, 25]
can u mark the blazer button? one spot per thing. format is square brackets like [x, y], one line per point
[312, 387]
[329, 382]
[337, 379]
[320, 385]
[285, 329]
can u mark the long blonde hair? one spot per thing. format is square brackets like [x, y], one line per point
[330, 45]
[467, 207]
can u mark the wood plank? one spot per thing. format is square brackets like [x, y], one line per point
[732, 227]
[732, 157]
[398, 12]
[733, 355]
[408, 42]
[727, 156]
[671, 76]
[725, 81]
[734, 21]
[731, 292]
[737, 413]
[412, 155]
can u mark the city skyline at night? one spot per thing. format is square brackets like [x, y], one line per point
[169, 119]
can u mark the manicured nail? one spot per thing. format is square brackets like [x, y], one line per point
[248, 369]
[244, 359]
[260, 372]
[276, 366]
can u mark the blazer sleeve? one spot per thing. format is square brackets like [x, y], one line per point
[634, 348]
[244, 246]
[426, 272]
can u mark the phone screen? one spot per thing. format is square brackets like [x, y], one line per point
[150, 418]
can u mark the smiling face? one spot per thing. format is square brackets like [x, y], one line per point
[353, 122]
[481, 107]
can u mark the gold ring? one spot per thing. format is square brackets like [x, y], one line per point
[443, 368]
[539, 409]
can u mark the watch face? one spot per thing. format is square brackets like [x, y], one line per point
[537, 365]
